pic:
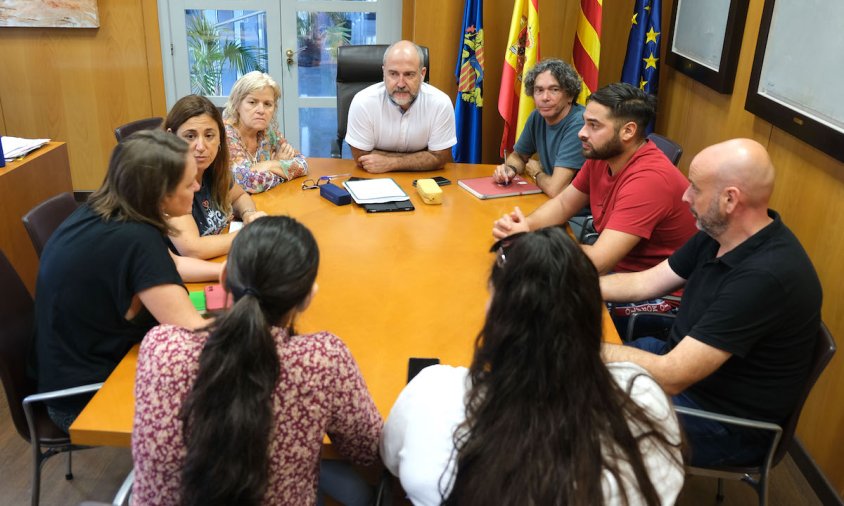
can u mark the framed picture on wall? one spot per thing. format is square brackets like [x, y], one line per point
[705, 40]
[49, 14]
[798, 69]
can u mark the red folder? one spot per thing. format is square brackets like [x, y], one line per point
[486, 188]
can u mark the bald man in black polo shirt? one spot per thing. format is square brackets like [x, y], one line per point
[745, 332]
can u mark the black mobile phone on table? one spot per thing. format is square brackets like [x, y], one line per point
[415, 366]
[441, 181]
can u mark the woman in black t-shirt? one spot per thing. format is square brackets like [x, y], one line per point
[106, 275]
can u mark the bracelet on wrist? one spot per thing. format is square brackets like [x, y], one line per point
[513, 168]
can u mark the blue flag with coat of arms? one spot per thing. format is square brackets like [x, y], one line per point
[470, 78]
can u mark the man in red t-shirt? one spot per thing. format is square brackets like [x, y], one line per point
[634, 191]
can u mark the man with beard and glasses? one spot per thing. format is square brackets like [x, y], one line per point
[743, 338]
[634, 191]
[401, 123]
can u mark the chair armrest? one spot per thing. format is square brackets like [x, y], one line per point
[731, 420]
[60, 394]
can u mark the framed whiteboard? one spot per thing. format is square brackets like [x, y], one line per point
[705, 40]
[798, 70]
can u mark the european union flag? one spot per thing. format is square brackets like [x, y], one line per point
[470, 78]
[641, 62]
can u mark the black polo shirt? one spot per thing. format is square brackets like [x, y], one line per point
[761, 302]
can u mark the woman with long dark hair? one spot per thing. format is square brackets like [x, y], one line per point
[197, 121]
[236, 414]
[538, 418]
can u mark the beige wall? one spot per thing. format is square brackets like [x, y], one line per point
[77, 85]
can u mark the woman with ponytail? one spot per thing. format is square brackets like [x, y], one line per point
[236, 414]
[538, 418]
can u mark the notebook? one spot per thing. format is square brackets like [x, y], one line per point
[485, 188]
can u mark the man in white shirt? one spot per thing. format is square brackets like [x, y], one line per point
[401, 123]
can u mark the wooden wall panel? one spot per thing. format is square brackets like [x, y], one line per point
[76, 85]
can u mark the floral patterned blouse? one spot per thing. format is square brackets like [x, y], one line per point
[320, 390]
[268, 144]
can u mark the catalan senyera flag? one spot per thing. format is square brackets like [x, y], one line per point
[641, 64]
[470, 81]
[586, 53]
[522, 54]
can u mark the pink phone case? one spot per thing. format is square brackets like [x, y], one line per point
[216, 298]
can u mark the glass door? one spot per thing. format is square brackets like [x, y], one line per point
[209, 44]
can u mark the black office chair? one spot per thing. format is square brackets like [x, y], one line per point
[128, 129]
[42, 220]
[357, 68]
[29, 414]
[782, 436]
[672, 150]
[584, 228]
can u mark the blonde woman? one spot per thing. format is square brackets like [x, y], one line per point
[261, 157]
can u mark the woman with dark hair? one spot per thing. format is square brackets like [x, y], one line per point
[198, 122]
[236, 413]
[538, 418]
[106, 276]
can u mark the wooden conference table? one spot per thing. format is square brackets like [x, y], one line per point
[391, 285]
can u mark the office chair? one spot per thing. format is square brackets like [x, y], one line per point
[672, 150]
[584, 228]
[42, 220]
[128, 129]
[29, 414]
[357, 68]
[782, 435]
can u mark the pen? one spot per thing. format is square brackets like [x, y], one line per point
[507, 179]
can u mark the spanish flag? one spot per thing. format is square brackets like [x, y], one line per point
[522, 54]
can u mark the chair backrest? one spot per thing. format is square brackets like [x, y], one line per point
[672, 150]
[824, 350]
[128, 129]
[42, 220]
[17, 328]
[357, 68]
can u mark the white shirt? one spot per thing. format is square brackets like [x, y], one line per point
[377, 123]
[417, 440]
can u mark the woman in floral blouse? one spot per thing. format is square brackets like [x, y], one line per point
[261, 157]
[236, 413]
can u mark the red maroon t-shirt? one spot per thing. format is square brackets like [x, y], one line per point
[644, 199]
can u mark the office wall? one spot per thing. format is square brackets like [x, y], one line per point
[810, 185]
[77, 85]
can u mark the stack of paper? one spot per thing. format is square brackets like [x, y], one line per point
[16, 147]
[375, 191]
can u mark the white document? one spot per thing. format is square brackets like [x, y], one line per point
[15, 147]
[375, 191]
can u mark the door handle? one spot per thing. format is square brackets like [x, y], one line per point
[289, 53]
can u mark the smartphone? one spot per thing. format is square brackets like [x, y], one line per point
[415, 366]
[441, 181]
[216, 298]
